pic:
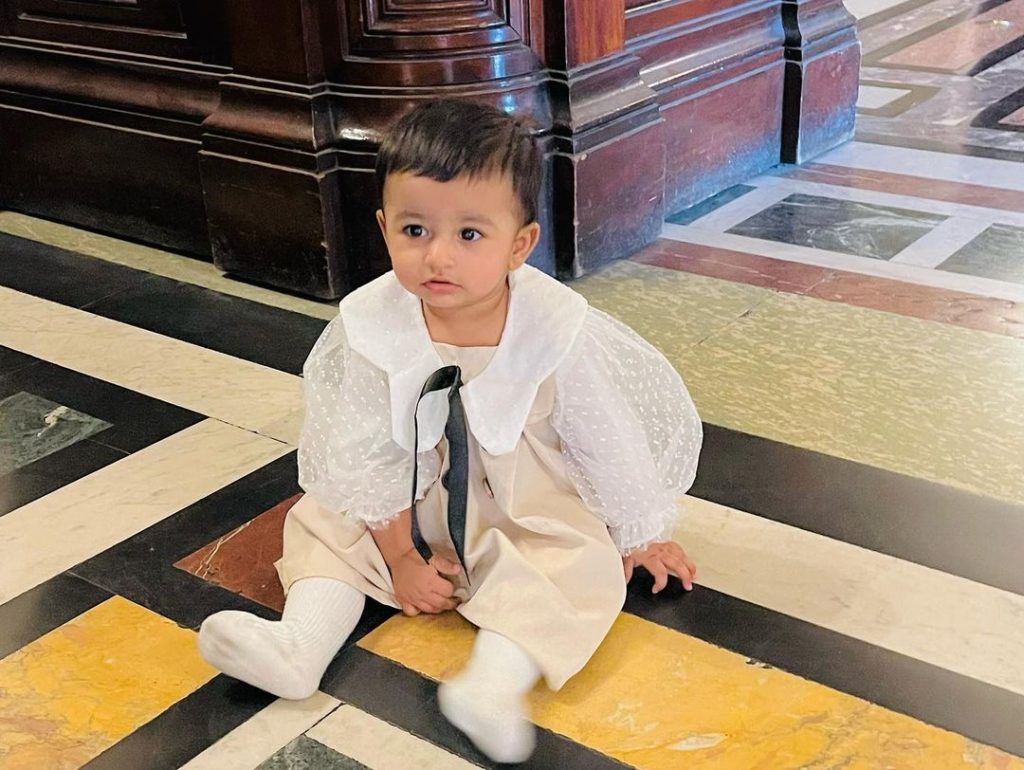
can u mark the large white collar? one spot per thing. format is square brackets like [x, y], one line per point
[384, 323]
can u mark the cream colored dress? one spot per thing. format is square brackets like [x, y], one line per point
[543, 570]
[583, 439]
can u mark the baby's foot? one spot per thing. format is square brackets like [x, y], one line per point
[260, 652]
[496, 723]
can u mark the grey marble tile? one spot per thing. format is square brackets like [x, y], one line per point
[848, 227]
[32, 428]
[306, 754]
[715, 202]
[997, 253]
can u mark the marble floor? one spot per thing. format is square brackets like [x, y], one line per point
[852, 332]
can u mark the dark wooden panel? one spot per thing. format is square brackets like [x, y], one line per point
[718, 69]
[166, 28]
[708, 149]
[595, 29]
[132, 184]
[659, 17]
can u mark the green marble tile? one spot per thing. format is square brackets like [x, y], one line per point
[32, 428]
[996, 253]
[306, 754]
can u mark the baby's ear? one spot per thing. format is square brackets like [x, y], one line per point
[381, 223]
[524, 244]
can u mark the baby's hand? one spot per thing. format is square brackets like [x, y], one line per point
[662, 560]
[420, 587]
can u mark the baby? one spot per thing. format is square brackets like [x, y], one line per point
[477, 439]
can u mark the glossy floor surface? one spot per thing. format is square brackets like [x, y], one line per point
[852, 332]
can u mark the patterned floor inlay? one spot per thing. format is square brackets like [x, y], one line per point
[852, 331]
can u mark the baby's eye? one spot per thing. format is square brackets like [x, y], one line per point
[469, 234]
[414, 231]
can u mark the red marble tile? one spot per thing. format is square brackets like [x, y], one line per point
[918, 187]
[243, 560]
[960, 47]
[930, 303]
[1015, 118]
[737, 266]
[909, 299]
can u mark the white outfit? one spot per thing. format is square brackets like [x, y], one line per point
[582, 440]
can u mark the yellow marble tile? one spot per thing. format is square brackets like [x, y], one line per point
[152, 260]
[86, 685]
[676, 310]
[926, 399]
[930, 400]
[659, 700]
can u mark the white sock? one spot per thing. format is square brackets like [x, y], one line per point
[487, 699]
[287, 658]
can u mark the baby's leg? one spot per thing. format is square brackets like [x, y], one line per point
[288, 657]
[487, 699]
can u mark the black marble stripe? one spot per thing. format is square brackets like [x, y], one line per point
[136, 420]
[402, 697]
[142, 568]
[929, 693]
[991, 116]
[40, 610]
[186, 729]
[938, 526]
[267, 335]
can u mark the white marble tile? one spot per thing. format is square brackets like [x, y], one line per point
[875, 97]
[381, 746]
[984, 287]
[935, 247]
[257, 739]
[863, 8]
[55, 532]
[230, 389]
[925, 163]
[743, 208]
[949, 621]
[155, 261]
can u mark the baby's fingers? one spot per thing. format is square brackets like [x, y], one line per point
[683, 569]
[445, 567]
[409, 609]
[660, 572]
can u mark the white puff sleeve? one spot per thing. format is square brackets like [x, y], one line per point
[630, 433]
[348, 460]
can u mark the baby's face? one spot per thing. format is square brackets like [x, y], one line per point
[453, 244]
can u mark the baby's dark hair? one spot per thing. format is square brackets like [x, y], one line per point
[445, 139]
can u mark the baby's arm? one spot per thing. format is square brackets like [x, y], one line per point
[419, 585]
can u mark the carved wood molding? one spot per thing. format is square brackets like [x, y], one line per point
[377, 27]
[162, 28]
